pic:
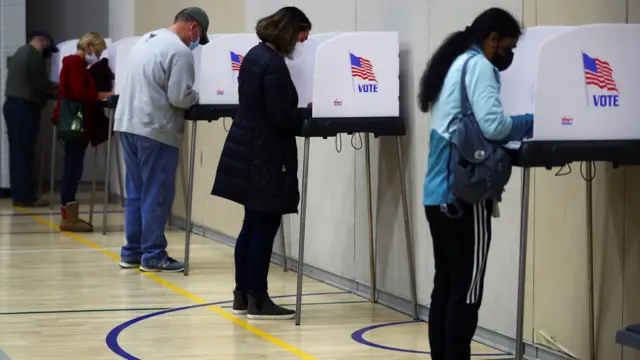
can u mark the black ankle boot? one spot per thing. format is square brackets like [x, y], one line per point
[240, 303]
[262, 308]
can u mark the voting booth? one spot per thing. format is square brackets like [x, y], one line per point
[582, 89]
[217, 78]
[352, 79]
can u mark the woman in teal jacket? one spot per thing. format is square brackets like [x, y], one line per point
[461, 245]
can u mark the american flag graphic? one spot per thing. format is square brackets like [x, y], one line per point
[598, 73]
[362, 68]
[236, 61]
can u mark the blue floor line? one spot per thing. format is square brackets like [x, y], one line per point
[4, 356]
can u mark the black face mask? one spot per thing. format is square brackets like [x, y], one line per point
[46, 53]
[502, 61]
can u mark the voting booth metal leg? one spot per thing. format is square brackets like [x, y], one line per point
[407, 230]
[53, 167]
[94, 173]
[43, 154]
[589, 193]
[372, 253]
[284, 248]
[522, 272]
[303, 215]
[107, 174]
[187, 239]
[183, 179]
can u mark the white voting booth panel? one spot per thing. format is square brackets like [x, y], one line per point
[588, 84]
[301, 68]
[357, 75]
[68, 47]
[119, 58]
[197, 61]
[220, 64]
[519, 81]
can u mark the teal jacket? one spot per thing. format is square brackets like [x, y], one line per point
[483, 87]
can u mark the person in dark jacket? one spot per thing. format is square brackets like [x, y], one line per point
[259, 163]
[27, 90]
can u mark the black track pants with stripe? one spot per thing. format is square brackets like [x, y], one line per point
[460, 248]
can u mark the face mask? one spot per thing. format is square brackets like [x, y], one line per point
[194, 44]
[91, 59]
[502, 62]
[297, 52]
[46, 52]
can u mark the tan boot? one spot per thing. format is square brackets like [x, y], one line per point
[70, 221]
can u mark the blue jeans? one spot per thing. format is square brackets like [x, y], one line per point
[23, 125]
[150, 185]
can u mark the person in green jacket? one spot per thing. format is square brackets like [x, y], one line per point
[27, 90]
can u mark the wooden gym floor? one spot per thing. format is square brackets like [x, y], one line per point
[63, 296]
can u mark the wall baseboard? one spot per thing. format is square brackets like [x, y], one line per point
[485, 336]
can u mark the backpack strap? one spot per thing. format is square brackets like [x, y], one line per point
[465, 104]
[465, 108]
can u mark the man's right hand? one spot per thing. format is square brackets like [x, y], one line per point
[104, 95]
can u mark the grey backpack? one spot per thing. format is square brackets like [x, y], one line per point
[481, 168]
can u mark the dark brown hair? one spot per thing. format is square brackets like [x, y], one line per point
[281, 29]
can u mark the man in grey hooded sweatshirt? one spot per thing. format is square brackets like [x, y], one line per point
[158, 89]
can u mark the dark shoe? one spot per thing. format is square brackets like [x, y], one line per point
[239, 303]
[262, 308]
[37, 203]
[168, 265]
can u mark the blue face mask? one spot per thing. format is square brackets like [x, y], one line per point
[194, 44]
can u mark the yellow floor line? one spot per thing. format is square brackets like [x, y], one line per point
[263, 334]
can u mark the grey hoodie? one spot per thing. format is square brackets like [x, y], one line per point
[158, 88]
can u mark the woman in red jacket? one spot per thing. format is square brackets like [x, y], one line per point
[77, 84]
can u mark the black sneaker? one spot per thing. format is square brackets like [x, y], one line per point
[239, 303]
[262, 308]
[168, 265]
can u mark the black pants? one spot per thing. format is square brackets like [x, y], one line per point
[23, 125]
[74, 151]
[253, 251]
[460, 248]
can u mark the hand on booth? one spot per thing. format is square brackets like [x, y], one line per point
[309, 105]
[521, 127]
[102, 96]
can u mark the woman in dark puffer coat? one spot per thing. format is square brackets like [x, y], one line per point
[259, 163]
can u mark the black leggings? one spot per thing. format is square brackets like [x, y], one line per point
[460, 248]
[253, 251]
[74, 151]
